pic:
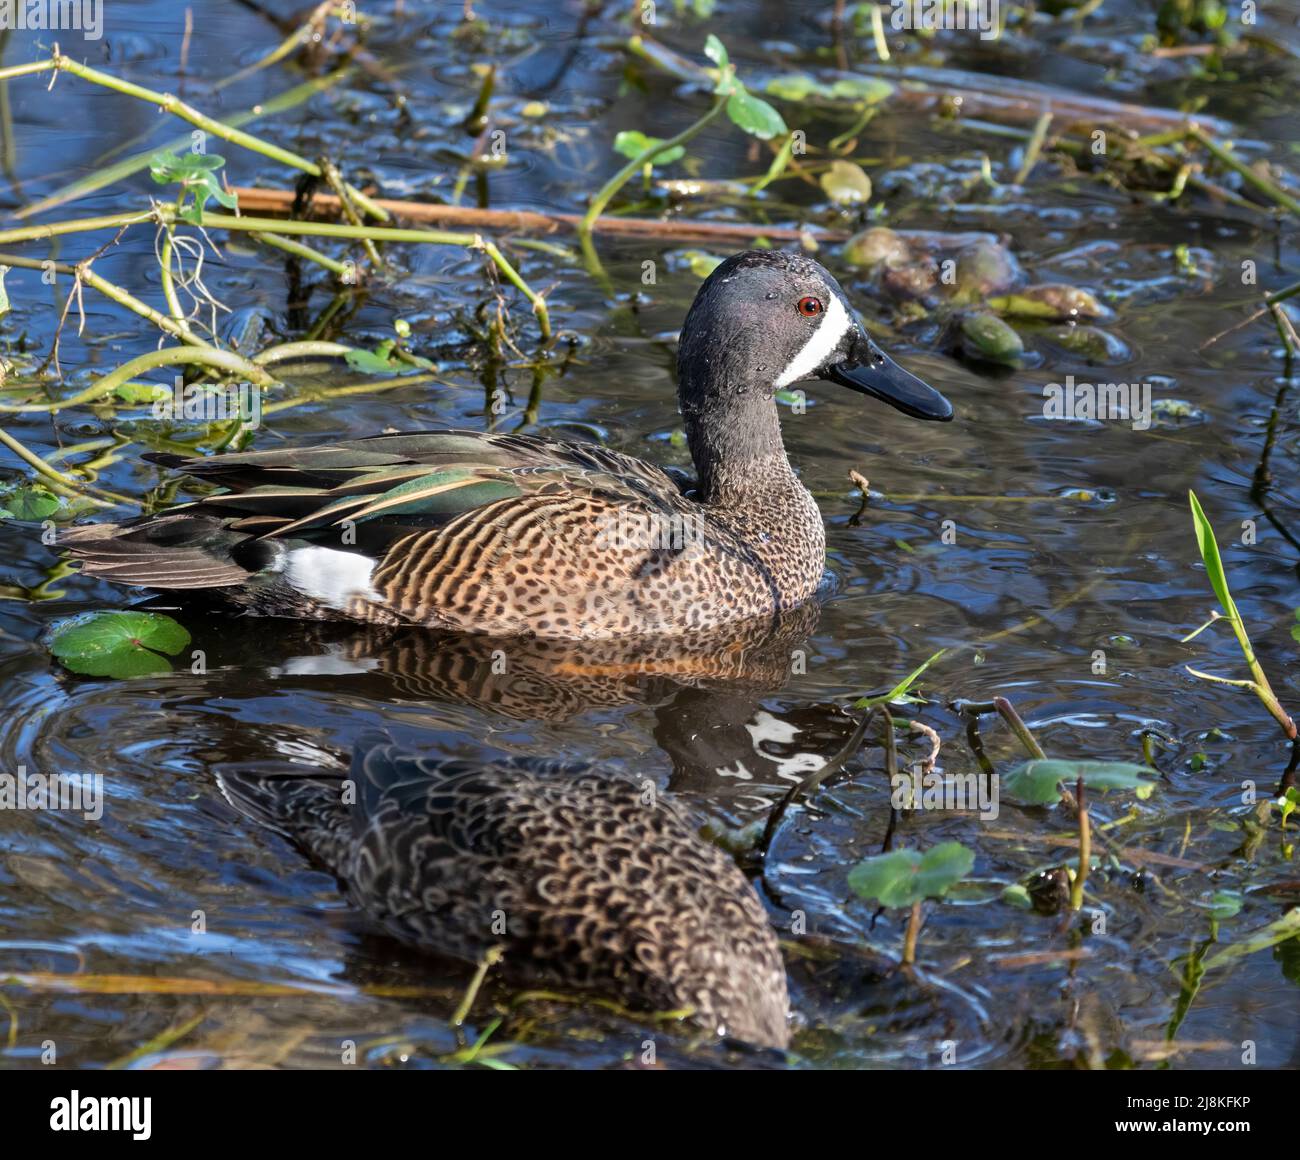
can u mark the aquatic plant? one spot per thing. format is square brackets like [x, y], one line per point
[906, 878]
[1258, 682]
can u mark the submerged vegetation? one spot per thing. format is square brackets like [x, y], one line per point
[969, 214]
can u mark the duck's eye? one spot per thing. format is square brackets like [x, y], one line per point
[810, 306]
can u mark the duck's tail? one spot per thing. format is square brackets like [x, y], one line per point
[307, 806]
[176, 551]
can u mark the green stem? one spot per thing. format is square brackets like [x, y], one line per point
[112, 221]
[333, 265]
[295, 350]
[913, 930]
[119, 170]
[259, 225]
[110, 290]
[1085, 848]
[1248, 175]
[63, 484]
[171, 356]
[174, 105]
[1008, 713]
[1033, 149]
[615, 183]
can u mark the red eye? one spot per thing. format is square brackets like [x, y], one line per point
[810, 306]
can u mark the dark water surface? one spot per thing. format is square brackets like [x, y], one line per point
[1068, 537]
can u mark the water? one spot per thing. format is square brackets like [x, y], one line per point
[1069, 539]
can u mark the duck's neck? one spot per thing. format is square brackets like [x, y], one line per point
[735, 441]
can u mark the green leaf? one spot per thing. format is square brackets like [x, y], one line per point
[1209, 549]
[716, 51]
[372, 362]
[30, 502]
[1288, 926]
[197, 175]
[1018, 896]
[166, 167]
[1225, 904]
[117, 644]
[899, 690]
[846, 183]
[701, 262]
[1288, 803]
[868, 90]
[631, 143]
[795, 87]
[142, 392]
[1037, 782]
[754, 115]
[903, 877]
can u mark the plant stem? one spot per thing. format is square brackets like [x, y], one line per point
[170, 356]
[1248, 175]
[1008, 713]
[93, 182]
[57, 481]
[645, 157]
[1033, 149]
[298, 250]
[109, 289]
[1085, 847]
[913, 929]
[174, 105]
[296, 350]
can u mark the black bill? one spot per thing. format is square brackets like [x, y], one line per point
[871, 371]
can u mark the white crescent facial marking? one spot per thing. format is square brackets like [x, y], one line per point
[334, 578]
[833, 326]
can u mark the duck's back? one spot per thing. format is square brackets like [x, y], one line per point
[586, 881]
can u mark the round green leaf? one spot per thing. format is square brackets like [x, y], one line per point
[846, 183]
[754, 115]
[795, 87]
[1038, 782]
[869, 90]
[117, 644]
[1225, 904]
[631, 143]
[30, 503]
[903, 877]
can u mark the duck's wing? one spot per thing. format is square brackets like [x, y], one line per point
[379, 489]
[409, 481]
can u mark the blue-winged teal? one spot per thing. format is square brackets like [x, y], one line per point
[513, 534]
[584, 881]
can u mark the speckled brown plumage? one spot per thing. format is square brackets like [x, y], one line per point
[586, 881]
[514, 534]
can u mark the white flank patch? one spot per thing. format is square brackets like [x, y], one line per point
[334, 578]
[833, 326]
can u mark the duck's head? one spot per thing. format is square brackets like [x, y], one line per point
[765, 320]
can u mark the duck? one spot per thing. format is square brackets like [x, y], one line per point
[524, 535]
[568, 876]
